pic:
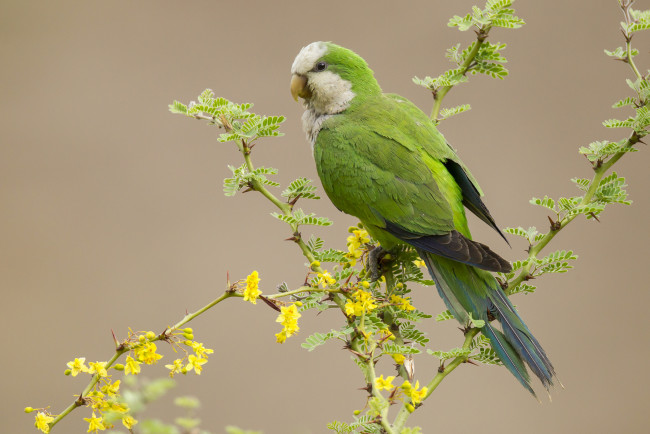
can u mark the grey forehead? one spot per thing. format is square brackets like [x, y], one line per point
[307, 57]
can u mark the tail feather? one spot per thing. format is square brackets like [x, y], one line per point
[466, 289]
[508, 356]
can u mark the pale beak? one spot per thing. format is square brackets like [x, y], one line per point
[299, 87]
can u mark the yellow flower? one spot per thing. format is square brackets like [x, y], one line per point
[385, 333]
[132, 366]
[43, 421]
[325, 279]
[200, 350]
[399, 358]
[385, 384]
[111, 389]
[77, 366]
[147, 353]
[281, 337]
[289, 319]
[419, 263]
[129, 421]
[95, 423]
[175, 368]
[96, 399]
[252, 290]
[362, 303]
[401, 303]
[195, 363]
[412, 391]
[98, 368]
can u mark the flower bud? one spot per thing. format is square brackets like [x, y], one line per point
[68, 372]
[365, 284]
[118, 367]
[189, 336]
[410, 408]
[188, 330]
[28, 409]
[141, 338]
[356, 412]
[150, 335]
[298, 303]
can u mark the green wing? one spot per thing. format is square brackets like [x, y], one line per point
[387, 168]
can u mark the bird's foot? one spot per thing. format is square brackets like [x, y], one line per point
[374, 262]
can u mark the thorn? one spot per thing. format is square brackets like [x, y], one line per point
[117, 344]
[248, 189]
[555, 226]
[441, 368]
[529, 277]
[295, 199]
[368, 388]
[294, 238]
[594, 216]
[471, 362]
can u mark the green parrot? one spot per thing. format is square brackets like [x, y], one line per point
[382, 160]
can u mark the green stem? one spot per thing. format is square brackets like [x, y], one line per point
[125, 349]
[404, 413]
[377, 394]
[600, 172]
[440, 93]
[303, 289]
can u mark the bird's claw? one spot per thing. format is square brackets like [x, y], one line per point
[374, 259]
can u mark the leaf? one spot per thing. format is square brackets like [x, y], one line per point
[318, 339]
[315, 243]
[446, 113]
[178, 107]
[522, 288]
[531, 233]
[298, 217]
[451, 354]
[444, 316]
[390, 348]
[302, 188]
[546, 202]
[487, 356]
[410, 333]
[625, 102]
[582, 183]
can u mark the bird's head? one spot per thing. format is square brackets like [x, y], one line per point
[328, 77]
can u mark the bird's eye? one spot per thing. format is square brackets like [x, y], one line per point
[320, 66]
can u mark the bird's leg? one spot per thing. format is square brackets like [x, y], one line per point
[374, 259]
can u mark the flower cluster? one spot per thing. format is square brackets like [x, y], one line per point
[416, 396]
[252, 291]
[325, 279]
[401, 303]
[105, 396]
[289, 319]
[361, 302]
[191, 362]
[358, 238]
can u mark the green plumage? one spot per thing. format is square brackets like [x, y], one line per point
[381, 159]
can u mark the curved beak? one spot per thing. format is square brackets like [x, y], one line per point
[299, 87]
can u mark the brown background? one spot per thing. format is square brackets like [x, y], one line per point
[113, 217]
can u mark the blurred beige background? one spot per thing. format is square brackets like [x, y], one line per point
[113, 216]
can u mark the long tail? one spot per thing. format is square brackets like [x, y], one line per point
[466, 289]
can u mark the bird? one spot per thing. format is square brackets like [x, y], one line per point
[383, 161]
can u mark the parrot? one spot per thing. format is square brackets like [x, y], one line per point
[383, 161]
